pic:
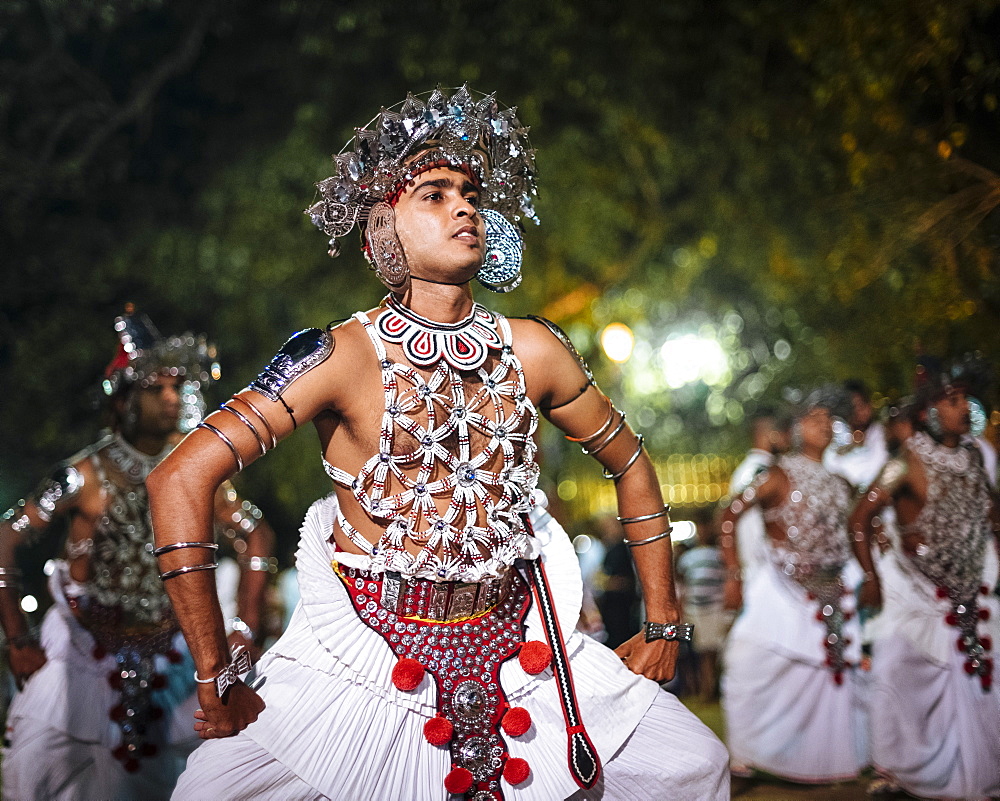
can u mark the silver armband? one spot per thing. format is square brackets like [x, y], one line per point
[297, 356]
[668, 631]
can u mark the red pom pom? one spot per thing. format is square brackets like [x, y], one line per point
[117, 713]
[516, 770]
[458, 781]
[535, 656]
[969, 668]
[987, 681]
[121, 752]
[438, 730]
[961, 645]
[132, 765]
[99, 652]
[819, 615]
[950, 619]
[174, 656]
[942, 592]
[517, 721]
[159, 681]
[987, 643]
[984, 590]
[984, 614]
[115, 680]
[838, 678]
[407, 674]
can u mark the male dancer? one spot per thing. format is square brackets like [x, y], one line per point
[789, 688]
[424, 577]
[934, 702]
[860, 461]
[105, 687]
[769, 437]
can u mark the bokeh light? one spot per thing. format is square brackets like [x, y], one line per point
[617, 340]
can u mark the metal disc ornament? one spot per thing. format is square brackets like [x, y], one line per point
[501, 271]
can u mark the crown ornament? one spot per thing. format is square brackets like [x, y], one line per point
[468, 132]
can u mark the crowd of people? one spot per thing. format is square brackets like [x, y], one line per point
[433, 650]
[862, 570]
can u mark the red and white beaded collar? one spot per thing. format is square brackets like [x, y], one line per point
[464, 345]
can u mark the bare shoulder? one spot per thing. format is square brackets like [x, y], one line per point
[554, 369]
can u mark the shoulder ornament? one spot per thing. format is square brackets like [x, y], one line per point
[62, 485]
[297, 356]
[892, 475]
[567, 343]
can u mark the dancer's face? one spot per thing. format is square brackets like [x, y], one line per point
[159, 406]
[817, 428]
[439, 226]
[953, 413]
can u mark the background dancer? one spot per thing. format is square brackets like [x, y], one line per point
[934, 702]
[108, 683]
[789, 690]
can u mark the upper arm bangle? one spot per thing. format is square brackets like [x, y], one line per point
[608, 439]
[628, 464]
[604, 426]
[177, 545]
[256, 411]
[654, 538]
[186, 569]
[626, 520]
[225, 439]
[246, 421]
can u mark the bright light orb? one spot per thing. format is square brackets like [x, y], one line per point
[617, 340]
[29, 603]
[691, 358]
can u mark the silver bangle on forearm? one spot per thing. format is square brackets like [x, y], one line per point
[225, 407]
[640, 518]
[174, 546]
[607, 440]
[226, 440]
[187, 569]
[654, 538]
[668, 631]
[239, 664]
[638, 451]
[10, 577]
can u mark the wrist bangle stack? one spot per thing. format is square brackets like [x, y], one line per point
[180, 571]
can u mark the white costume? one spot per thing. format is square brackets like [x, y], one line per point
[338, 724]
[109, 714]
[859, 464]
[790, 691]
[751, 539]
[935, 708]
[331, 705]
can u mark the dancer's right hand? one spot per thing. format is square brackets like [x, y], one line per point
[24, 661]
[227, 716]
[870, 596]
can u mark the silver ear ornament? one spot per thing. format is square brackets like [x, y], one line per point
[501, 271]
[384, 248]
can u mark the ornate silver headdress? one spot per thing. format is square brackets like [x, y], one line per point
[144, 353]
[423, 131]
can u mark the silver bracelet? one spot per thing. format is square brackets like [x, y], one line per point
[186, 569]
[607, 440]
[654, 538]
[628, 464]
[237, 625]
[668, 631]
[238, 665]
[626, 520]
[246, 421]
[226, 440]
[256, 411]
[177, 545]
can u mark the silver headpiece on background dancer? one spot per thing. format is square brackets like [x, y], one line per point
[144, 354]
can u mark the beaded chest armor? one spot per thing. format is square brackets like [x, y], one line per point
[954, 526]
[814, 516]
[123, 604]
[455, 466]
